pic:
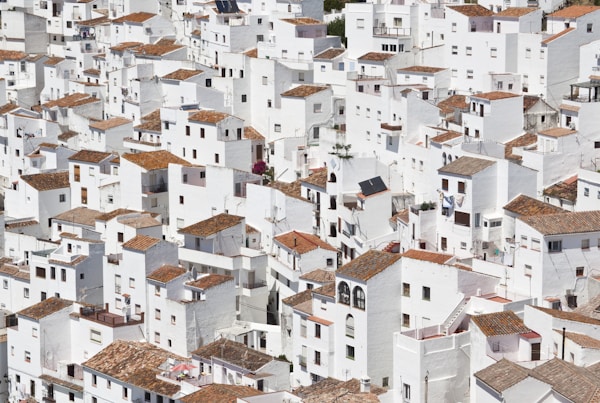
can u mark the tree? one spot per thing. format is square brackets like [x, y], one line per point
[337, 27]
[329, 5]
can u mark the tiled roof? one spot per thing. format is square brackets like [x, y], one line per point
[524, 140]
[45, 308]
[317, 178]
[301, 242]
[134, 17]
[135, 363]
[208, 116]
[433, 257]
[402, 215]
[156, 49]
[368, 265]
[447, 136]
[251, 133]
[298, 298]
[376, 57]
[591, 308]
[502, 375]
[304, 91]
[570, 316]
[47, 181]
[515, 11]
[20, 224]
[327, 290]
[210, 280]
[573, 12]
[89, 156]
[152, 160]
[571, 108]
[67, 135]
[109, 123]
[234, 353]
[528, 206]
[182, 74]
[495, 95]
[319, 276]
[61, 382]
[120, 47]
[576, 384]
[115, 213]
[71, 101]
[71, 263]
[217, 393]
[92, 72]
[330, 53]
[140, 221]
[582, 340]
[252, 53]
[449, 104]
[12, 55]
[79, 215]
[566, 189]
[557, 132]
[421, 69]
[212, 225]
[529, 101]
[292, 189]
[558, 35]
[166, 273]
[93, 21]
[4, 109]
[500, 323]
[327, 385]
[472, 10]
[53, 61]
[303, 21]
[466, 166]
[141, 243]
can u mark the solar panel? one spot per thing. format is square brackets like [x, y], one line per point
[372, 186]
[227, 6]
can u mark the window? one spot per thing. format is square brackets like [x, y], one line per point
[349, 352]
[454, 73]
[5, 284]
[453, 27]
[317, 108]
[34, 332]
[317, 358]
[264, 80]
[173, 320]
[469, 51]
[444, 242]
[244, 98]
[157, 290]
[586, 192]
[350, 326]
[63, 275]
[461, 187]
[62, 198]
[555, 246]
[585, 244]
[426, 293]
[202, 133]
[535, 244]
[125, 393]
[493, 52]
[157, 314]
[358, 297]
[542, 53]
[83, 195]
[469, 74]
[317, 331]
[27, 356]
[588, 29]
[405, 289]
[300, 74]
[216, 158]
[26, 292]
[344, 293]
[444, 184]
[156, 337]
[120, 236]
[528, 53]
[181, 199]
[277, 128]
[461, 218]
[454, 50]
[40, 272]
[405, 320]
[94, 380]
[302, 327]
[406, 392]
[579, 271]
[528, 270]
[360, 23]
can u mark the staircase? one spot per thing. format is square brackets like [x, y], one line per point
[451, 324]
[392, 247]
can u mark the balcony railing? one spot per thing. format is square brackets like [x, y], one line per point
[391, 31]
[160, 188]
[256, 284]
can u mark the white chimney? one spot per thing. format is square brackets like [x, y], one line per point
[365, 384]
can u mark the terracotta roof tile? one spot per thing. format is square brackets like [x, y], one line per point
[304, 91]
[466, 166]
[502, 375]
[4, 109]
[328, 385]
[71, 101]
[566, 190]
[376, 57]
[45, 308]
[327, 290]
[576, 384]
[449, 104]
[61, 382]
[141, 243]
[140, 221]
[134, 17]
[515, 11]
[92, 72]
[500, 323]
[573, 11]
[318, 178]
[421, 69]
[253, 53]
[67, 135]
[120, 47]
[217, 393]
[182, 74]
[582, 340]
[368, 265]
[208, 116]
[53, 61]
[330, 53]
[447, 136]
[209, 280]
[558, 35]
[166, 273]
[234, 353]
[298, 298]
[152, 160]
[565, 223]
[93, 22]
[109, 123]
[150, 122]
[523, 205]
[91, 156]
[79, 215]
[251, 133]
[302, 243]
[472, 10]
[136, 363]
[433, 257]
[47, 181]
[495, 95]
[529, 101]
[557, 132]
[319, 276]
[156, 50]
[19, 224]
[12, 55]
[571, 108]
[115, 213]
[212, 225]
[402, 215]
[303, 21]
[527, 139]
[293, 189]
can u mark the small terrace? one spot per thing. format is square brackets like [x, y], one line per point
[102, 316]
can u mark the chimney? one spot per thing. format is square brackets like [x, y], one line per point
[365, 384]
[295, 242]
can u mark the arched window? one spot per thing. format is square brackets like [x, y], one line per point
[332, 178]
[344, 293]
[332, 203]
[350, 326]
[449, 158]
[359, 298]
[444, 158]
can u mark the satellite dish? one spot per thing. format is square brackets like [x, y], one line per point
[194, 272]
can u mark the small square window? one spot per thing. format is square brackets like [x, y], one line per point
[406, 289]
[350, 352]
[426, 293]
[405, 320]
[579, 271]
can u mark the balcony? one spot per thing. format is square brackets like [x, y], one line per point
[101, 315]
[151, 189]
[391, 31]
